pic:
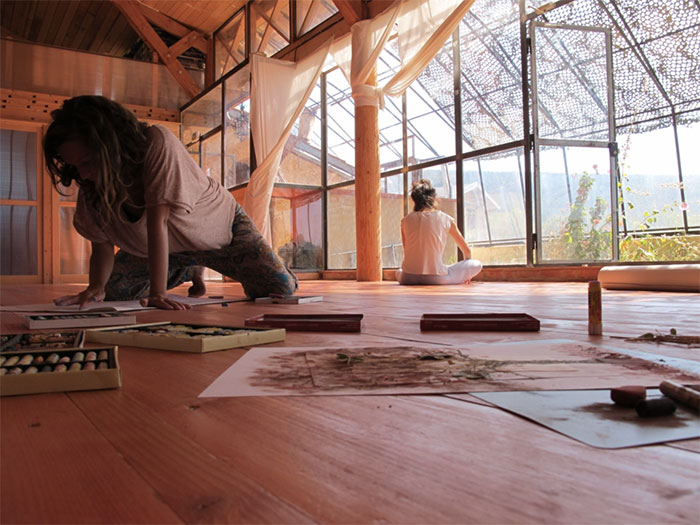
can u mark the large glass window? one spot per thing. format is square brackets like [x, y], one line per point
[342, 251]
[269, 23]
[575, 203]
[392, 202]
[494, 208]
[229, 44]
[297, 227]
[688, 139]
[430, 110]
[201, 116]
[311, 13]
[340, 128]
[649, 185]
[301, 158]
[490, 75]
[237, 128]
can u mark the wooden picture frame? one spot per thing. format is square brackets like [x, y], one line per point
[481, 322]
[308, 322]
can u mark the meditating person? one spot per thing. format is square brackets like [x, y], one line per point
[140, 190]
[424, 234]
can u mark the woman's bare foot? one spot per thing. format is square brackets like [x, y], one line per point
[198, 288]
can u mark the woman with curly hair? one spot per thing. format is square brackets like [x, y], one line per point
[141, 191]
[424, 235]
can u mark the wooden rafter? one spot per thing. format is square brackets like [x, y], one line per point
[133, 12]
[184, 43]
[351, 10]
[197, 39]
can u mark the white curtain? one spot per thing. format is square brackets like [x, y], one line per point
[423, 26]
[279, 91]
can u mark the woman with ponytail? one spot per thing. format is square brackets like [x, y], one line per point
[424, 234]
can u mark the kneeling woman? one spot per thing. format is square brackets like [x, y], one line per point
[140, 190]
[424, 235]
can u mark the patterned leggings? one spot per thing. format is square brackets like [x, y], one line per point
[248, 259]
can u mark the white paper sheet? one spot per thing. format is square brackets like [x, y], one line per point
[113, 306]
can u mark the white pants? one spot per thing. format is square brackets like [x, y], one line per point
[458, 273]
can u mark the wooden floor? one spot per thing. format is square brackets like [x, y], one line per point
[153, 452]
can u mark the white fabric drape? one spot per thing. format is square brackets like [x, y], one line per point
[423, 28]
[279, 91]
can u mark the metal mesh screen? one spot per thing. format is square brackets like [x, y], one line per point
[656, 54]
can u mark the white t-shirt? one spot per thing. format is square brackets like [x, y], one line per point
[201, 210]
[425, 235]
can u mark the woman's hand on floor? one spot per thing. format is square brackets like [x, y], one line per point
[163, 302]
[89, 295]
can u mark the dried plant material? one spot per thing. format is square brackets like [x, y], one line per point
[379, 368]
[691, 341]
[395, 370]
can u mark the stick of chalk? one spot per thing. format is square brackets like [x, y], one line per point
[662, 406]
[628, 396]
[680, 393]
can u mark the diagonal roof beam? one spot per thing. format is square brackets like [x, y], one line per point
[133, 13]
[352, 10]
[176, 28]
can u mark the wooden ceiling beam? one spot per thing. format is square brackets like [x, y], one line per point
[198, 39]
[185, 43]
[352, 10]
[133, 12]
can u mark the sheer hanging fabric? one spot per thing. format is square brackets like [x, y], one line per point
[423, 26]
[279, 91]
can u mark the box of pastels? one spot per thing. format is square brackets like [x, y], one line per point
[184, 337]
[59, 370]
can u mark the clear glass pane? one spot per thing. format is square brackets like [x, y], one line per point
[230, 45]
[390, 128]
[18, 244]
[237, 129]
[311, 13]
[193, 150]
[211, 156]
[270, 26]
[202, 116]
[74, 250]
[297, 227]
[649, 185]
[340, 128]
[490, 75]
[301, 158]
[575, 204]
[69, 194]
[392, 213]
[494, 208]
[342, 250]
[688, 139]
[571, 84]
[443, 179]
[18, 165]
[430, 110]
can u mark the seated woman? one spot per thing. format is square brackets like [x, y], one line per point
[424, 235]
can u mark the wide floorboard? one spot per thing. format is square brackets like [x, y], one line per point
[154, 452]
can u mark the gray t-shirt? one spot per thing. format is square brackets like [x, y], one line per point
[201, 210]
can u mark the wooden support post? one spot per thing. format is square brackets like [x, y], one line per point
[367, 191]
